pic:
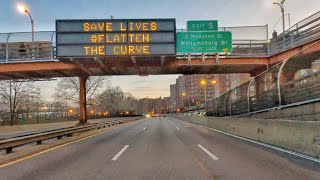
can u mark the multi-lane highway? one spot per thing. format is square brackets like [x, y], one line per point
[159, 148]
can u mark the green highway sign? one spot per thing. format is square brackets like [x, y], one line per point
[206, 25]
[204, 42]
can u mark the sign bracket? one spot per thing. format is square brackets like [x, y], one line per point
[217, 59]
[162, 60]
[203, 58]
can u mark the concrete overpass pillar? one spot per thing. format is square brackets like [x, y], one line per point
[83, 100]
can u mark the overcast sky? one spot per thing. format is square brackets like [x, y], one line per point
[227, 12]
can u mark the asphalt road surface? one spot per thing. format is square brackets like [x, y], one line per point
[159, 148]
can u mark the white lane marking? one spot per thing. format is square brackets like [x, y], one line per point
[119, 153]
[267, 145]
[208, 152]
[139, 131]
[177, 128]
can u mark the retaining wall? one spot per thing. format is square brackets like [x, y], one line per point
[299, 136]
[305, 112]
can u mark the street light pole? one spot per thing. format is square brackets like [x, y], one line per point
[184, 94]
[24, 9]
[205, 95]
[188, 101]
[282, 12]
[203, 82]
[32, 24]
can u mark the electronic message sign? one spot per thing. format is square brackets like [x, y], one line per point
[116, 37]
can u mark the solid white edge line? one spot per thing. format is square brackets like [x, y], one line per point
[119, 153]
[144, 128]
[266, 145]
[208, 152]
[177, 128]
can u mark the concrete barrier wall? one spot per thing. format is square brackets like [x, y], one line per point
[299, 136]
[306, 112]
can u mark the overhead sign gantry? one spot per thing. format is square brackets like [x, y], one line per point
[119, 37]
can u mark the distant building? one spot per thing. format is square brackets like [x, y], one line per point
[166, 103]
[189, 89]
[155, 106]
[195, 90]
[143, 104]
[226, 82]
[158, 108]
[173, 98]
[147, 105]
[181, 88]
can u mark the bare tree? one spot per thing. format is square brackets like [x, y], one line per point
[30, 100]
[69, 88]
[129, 103]
[111, 99]
[115, 100]
[59, 108]
[12, 95]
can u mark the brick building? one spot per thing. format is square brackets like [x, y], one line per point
[173, 97]
[189, 89]
[155, 106]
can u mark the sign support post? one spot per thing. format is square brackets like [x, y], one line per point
[83, 100]
[189, 59]
[217, 58]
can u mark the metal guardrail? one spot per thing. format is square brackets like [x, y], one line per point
[18, 47]
[302, 32]
[9, 144]
[51, 130]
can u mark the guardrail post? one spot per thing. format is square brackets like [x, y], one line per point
[39, 142]
[248, 95]
[83, 100]
[52, 48]
[7, 48]
[9, 150]
[292, 39]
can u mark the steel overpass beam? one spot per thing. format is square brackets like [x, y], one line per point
[311, 47]
[224, 61]
[35, 66]
[83, 100]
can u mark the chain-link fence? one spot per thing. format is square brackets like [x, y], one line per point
[246, 40]
[19, 47]
[294, 81]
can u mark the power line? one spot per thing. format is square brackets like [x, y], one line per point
[275, 25]
[279, 21]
